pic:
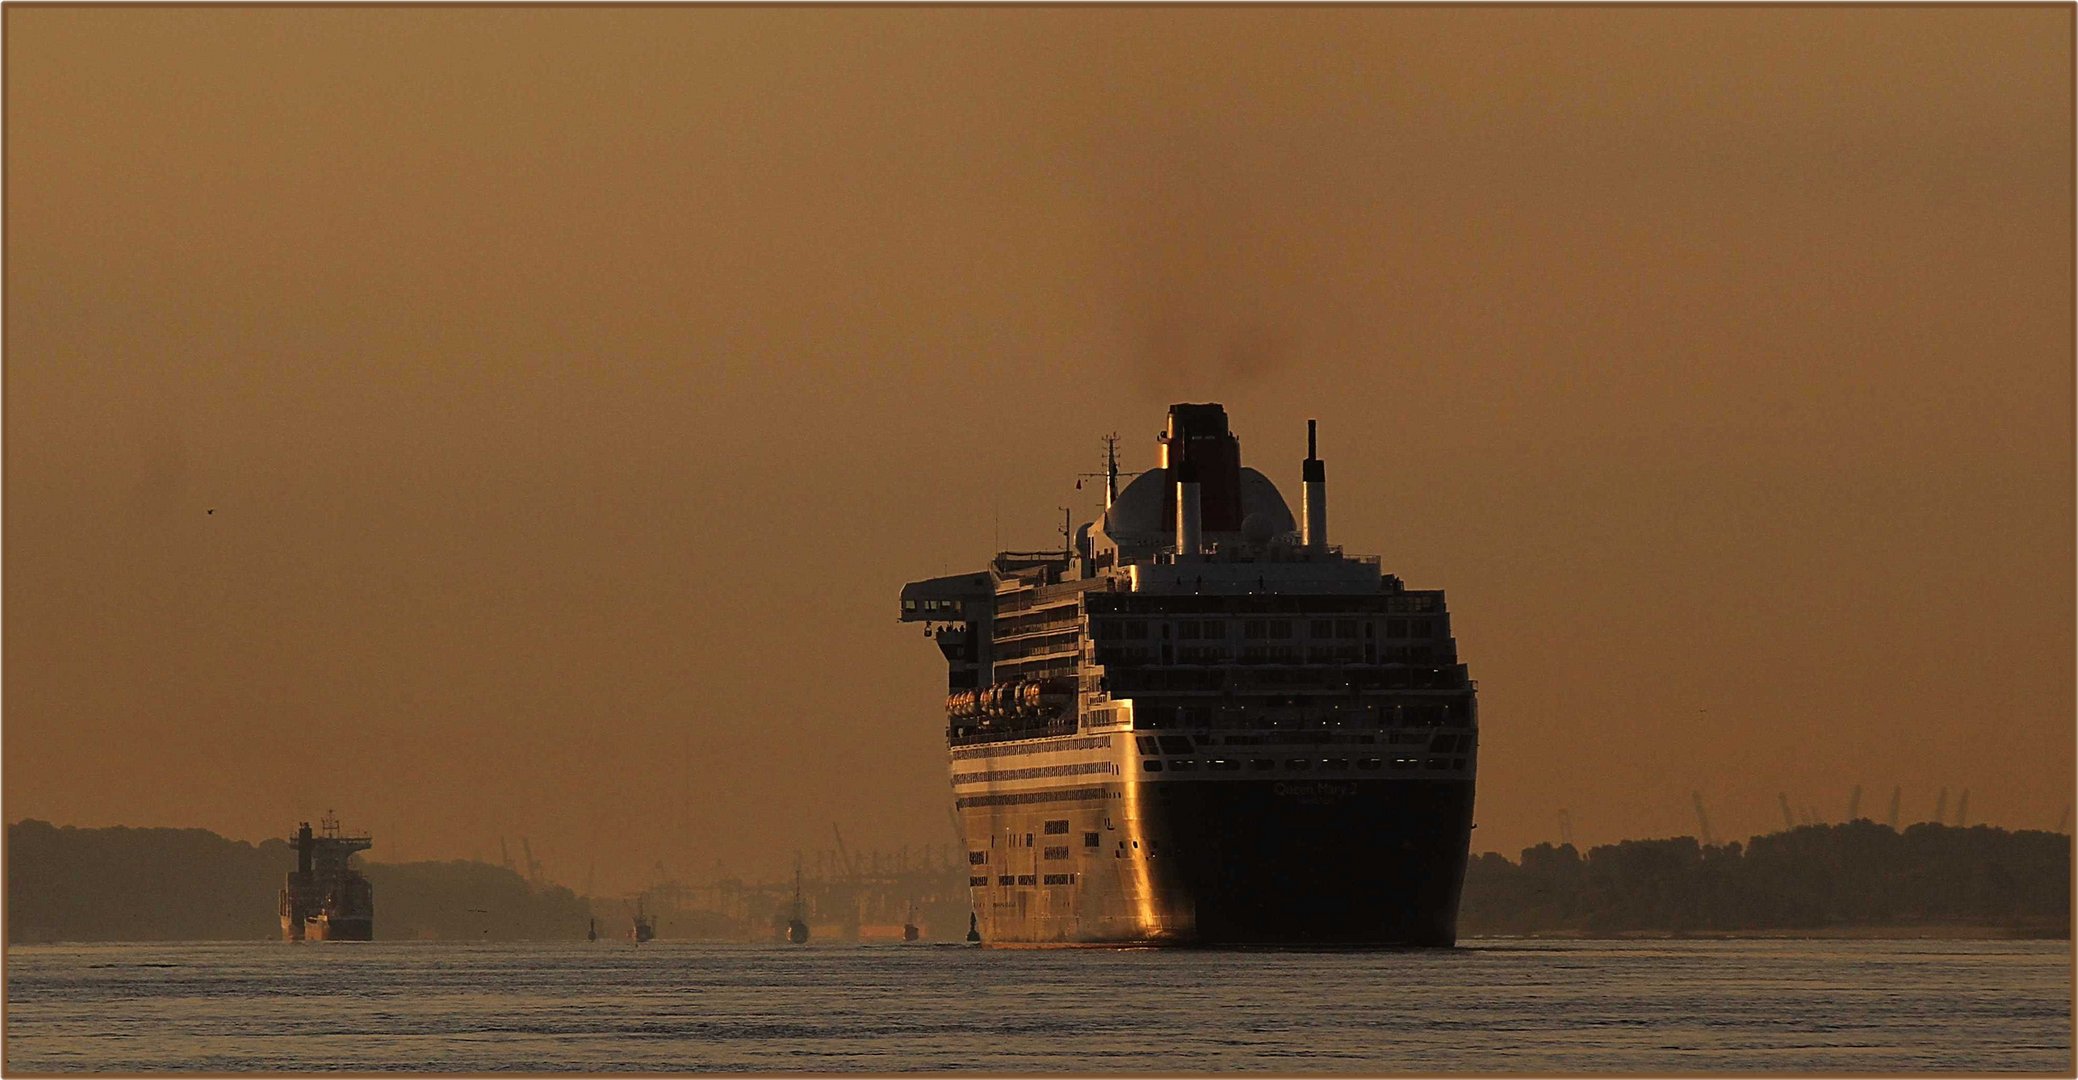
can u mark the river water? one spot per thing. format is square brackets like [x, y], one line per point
[1491, 1005]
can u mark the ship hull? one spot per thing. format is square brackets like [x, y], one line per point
[340, 928]
[1286, 861]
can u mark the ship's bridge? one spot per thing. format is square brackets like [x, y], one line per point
[945, 599]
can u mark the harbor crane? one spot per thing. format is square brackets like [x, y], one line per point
[533, 867]
[843, 855]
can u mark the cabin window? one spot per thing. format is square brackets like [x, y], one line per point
[1028, 879]
[1152, 765]
[1184, 764]
[1298, 764]
[1322, 628]
[976, 858]
[1060, 852]
[1261, 764]
[1253, 628]
[1369, 764]
[1028, 839]
[977, 882]
[1060, 879]
[1089, 839]
[1335, 763]
[1057, 828]
[1280, 628]
[1006, 879]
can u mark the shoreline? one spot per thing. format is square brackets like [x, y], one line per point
[1835, 933]
[1931, 932]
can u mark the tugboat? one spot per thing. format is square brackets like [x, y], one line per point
[909, 928]
[797, 923]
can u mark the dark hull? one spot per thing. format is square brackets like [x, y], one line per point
[1323, 862]
[340, 928]
[1334, 861]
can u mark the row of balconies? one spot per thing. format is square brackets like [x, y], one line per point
[1285, 604]
[1275, 679]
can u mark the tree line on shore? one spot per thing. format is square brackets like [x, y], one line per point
[1815, 877]
[121, 884]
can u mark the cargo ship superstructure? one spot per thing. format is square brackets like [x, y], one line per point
[1200, 722]
[326, 899]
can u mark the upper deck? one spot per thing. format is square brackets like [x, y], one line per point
[1193, 601]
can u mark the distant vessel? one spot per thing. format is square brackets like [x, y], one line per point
[643, 927]
[1199, 722]
[591, 929]
[797, 922]
[326, 899]
[909, 928]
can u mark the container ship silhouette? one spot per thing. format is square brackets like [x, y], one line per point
[326, 899]
[1201, 723]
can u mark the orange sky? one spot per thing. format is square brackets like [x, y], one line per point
[574, 389]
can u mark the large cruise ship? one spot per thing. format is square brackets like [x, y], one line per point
[1200, 722]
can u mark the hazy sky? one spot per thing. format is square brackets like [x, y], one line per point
[574, 389]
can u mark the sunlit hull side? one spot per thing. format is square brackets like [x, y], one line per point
[1312, 861]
